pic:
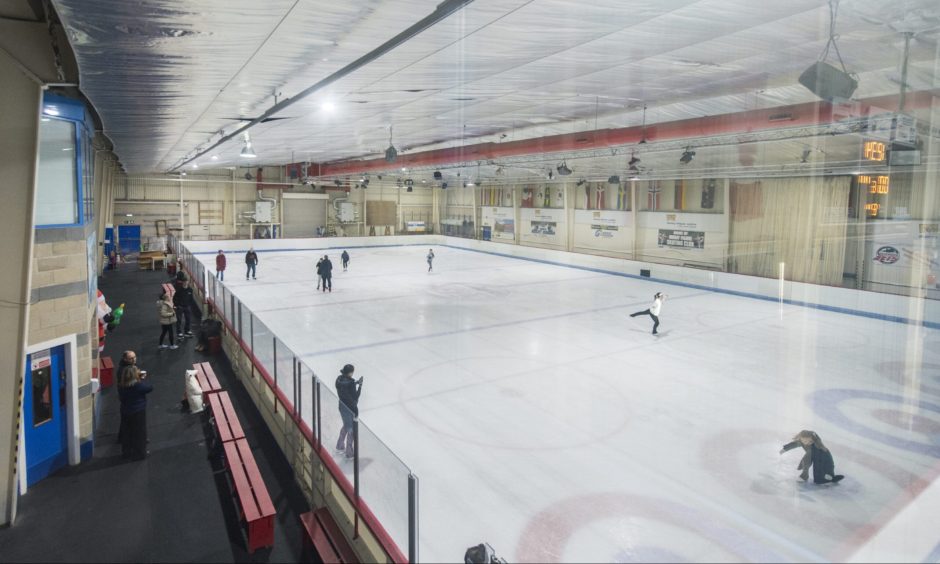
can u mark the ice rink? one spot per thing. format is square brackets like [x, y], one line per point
[543, 420]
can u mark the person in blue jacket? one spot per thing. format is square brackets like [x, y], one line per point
[132, 391]
[816, 455]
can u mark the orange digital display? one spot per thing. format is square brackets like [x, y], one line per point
[876, 184]
[874, 151]
[873, 209]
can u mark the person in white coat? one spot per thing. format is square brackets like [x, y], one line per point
[653, 310]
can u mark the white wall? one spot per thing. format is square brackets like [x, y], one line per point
[858, 301]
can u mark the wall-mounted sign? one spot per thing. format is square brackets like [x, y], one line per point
[681, 239]
[887, 255]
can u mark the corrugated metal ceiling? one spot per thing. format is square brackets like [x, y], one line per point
[168, 76]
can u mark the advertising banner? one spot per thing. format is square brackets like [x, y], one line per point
[681, 239]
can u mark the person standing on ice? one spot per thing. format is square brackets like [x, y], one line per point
[816, 455]
[345, 257]
[326, 268]
[220, 265]
[430, 260]
[348, 391]
[319, 272]
[251, 260]
[653, 310]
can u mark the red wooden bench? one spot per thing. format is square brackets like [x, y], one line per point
[322, 532]
[207, 379]
[253, 500]
[224, 417]
[106, 374]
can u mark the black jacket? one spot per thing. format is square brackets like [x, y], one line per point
[251, 257]
[348, 391]
[320, 267]
[326, 268]
[345, 256]
[134, 398]
[183, 297]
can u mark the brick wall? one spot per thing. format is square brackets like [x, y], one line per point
[61, 306]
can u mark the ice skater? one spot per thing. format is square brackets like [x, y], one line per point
[345, 257]
[430, 260]
[220, 265]
[251, 260]
[816, 455]
[653, 310]
[348, 391]
[319, 272]
[326, 270]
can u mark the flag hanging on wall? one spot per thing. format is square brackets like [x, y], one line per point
[621, 196]
[652, 195]
[679, 196]
[599, 193]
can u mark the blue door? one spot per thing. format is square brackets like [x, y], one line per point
[44, 414]
[129, 239]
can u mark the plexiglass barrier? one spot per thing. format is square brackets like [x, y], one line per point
[373, 478]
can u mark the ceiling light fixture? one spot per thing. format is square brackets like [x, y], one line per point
[443, 186]
[391, 153]
[581, 182]
[687, 156]
[614, 179]
[563, 169]
[551, 175]
[328, 106]
[825, 80]
[214, 157]
[247, 151]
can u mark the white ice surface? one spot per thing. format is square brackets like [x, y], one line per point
[542, 419]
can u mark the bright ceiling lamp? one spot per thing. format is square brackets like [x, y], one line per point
[247, 151]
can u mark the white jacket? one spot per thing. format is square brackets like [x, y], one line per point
[657, 305]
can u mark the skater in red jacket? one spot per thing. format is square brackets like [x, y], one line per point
[220, 265]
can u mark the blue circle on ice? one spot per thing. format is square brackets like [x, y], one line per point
[827, 404]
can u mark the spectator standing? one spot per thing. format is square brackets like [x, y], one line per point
[345, 257]
[167, 319]
[183, 302]
[132, 391]
[319, 272]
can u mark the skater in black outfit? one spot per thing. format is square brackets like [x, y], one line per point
[326, 268]
[430, 260]
[251, 261]
[319, 272]
[816, 455]
[348, 391]
[345, 257]
[653, 310]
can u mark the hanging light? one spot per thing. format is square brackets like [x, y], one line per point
[247, 151]
[563, 169]
[391, 153]
[687, 156]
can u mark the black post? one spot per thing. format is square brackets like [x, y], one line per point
[318, 412]
[412, 518]
[356, 456]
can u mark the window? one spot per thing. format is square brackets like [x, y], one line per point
[57, 186]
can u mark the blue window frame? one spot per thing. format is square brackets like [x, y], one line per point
[66, 164]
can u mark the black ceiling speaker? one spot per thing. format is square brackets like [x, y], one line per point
[391, 154]
[613, 180]
[443, 186]
[438, 175]
[828, 82]
[563, 169]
